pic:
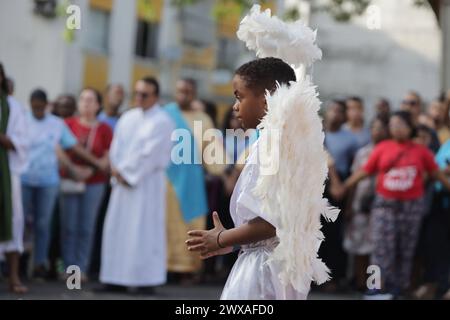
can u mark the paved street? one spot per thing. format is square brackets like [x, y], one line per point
[59, 291]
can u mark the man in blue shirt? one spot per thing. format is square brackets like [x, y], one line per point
[355, 121]
[340, 142]
[342, 146]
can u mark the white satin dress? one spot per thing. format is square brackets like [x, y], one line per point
[253, 277]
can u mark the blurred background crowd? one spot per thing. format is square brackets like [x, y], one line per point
[390, 57]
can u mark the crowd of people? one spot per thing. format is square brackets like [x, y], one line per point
[95, 187]
[87, 181]
[390, 180]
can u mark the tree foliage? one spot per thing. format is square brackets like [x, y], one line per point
[341, 10]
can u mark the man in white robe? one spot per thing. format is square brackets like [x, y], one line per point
[134, 234]
[16, 143]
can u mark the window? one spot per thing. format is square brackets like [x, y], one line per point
[227, 51]
[197, 29]
[45, 8]
[147, 39]
[97, 37]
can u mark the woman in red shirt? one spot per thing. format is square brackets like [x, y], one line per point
[80, 203]
[401, 166]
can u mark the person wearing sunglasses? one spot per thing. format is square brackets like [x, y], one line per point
[412, 102]
[134, 232]
[437, 110]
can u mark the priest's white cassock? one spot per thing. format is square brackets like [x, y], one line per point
[134, 234]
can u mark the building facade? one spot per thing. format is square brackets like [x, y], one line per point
[120, 41]
[391, 49]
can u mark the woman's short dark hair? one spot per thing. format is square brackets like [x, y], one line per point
[98, 95]
[263, 74]
[407, 119]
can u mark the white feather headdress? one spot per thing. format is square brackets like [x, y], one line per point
[293, 197]
[270, 37]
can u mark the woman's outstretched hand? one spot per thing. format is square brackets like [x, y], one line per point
[206, 242]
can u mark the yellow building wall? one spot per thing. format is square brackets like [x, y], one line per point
[199, 57]
[149, 10]
[228, 24]
[102, 4]
[223, 90]
[228, 20]
[141, 70]
[96, 70]
[269, 5]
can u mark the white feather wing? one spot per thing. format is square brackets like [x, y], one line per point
[293, 196]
